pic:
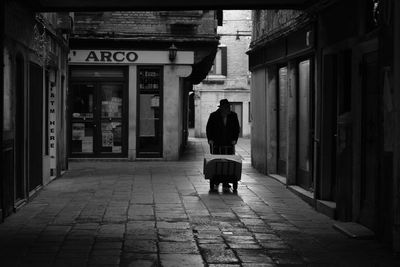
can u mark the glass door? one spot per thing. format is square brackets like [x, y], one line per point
[111, 118]
[97, 123]
[149, 134]
[83, 119]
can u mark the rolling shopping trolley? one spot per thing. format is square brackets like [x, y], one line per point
[222, 168]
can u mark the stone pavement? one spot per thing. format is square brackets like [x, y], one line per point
[161, 214]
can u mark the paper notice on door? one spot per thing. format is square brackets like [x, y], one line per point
[116, 149]
[107, 139]
[87, 145]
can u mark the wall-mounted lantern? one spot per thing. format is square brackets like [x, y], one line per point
[172, 52]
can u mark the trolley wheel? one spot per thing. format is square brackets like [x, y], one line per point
[235, 186]
[212, 185]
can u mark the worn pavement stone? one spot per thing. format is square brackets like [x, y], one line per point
[161, 214]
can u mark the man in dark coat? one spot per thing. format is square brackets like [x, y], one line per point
[223, 129]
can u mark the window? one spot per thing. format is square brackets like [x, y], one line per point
[250, 114]
[220, 64]
[238, 108]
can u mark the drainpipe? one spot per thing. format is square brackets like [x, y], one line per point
[396, 99]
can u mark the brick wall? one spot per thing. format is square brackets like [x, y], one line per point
[145, 23]
[266, 22]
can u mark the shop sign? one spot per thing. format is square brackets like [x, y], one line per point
[52, 127]
[128, 57]
[111, 56]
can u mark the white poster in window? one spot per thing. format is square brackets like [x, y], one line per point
[116, 149]
[87, 144]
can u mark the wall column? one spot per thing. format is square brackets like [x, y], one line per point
[132, 112]
[172, 117]
[258, 126]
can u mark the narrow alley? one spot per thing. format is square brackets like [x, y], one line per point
[157, 213]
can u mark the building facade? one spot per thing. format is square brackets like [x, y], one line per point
[130, 76]
[324, 115]
[34, 52]
[229, 76]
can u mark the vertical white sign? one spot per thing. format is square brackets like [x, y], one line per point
[52, 128]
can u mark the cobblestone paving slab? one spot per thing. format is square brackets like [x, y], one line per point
[161, 214]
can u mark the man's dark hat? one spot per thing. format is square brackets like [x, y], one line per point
[223, 102]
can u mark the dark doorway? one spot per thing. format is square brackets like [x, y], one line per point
[371, 141]
[150, 106]
[35, 126]
[327, 188]
[344, 137]
[191, 110]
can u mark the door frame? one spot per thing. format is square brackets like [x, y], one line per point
[160, 153]
[359, 52]
[357, 83]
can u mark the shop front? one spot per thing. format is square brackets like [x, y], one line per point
[98, 112]
[126, 104]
